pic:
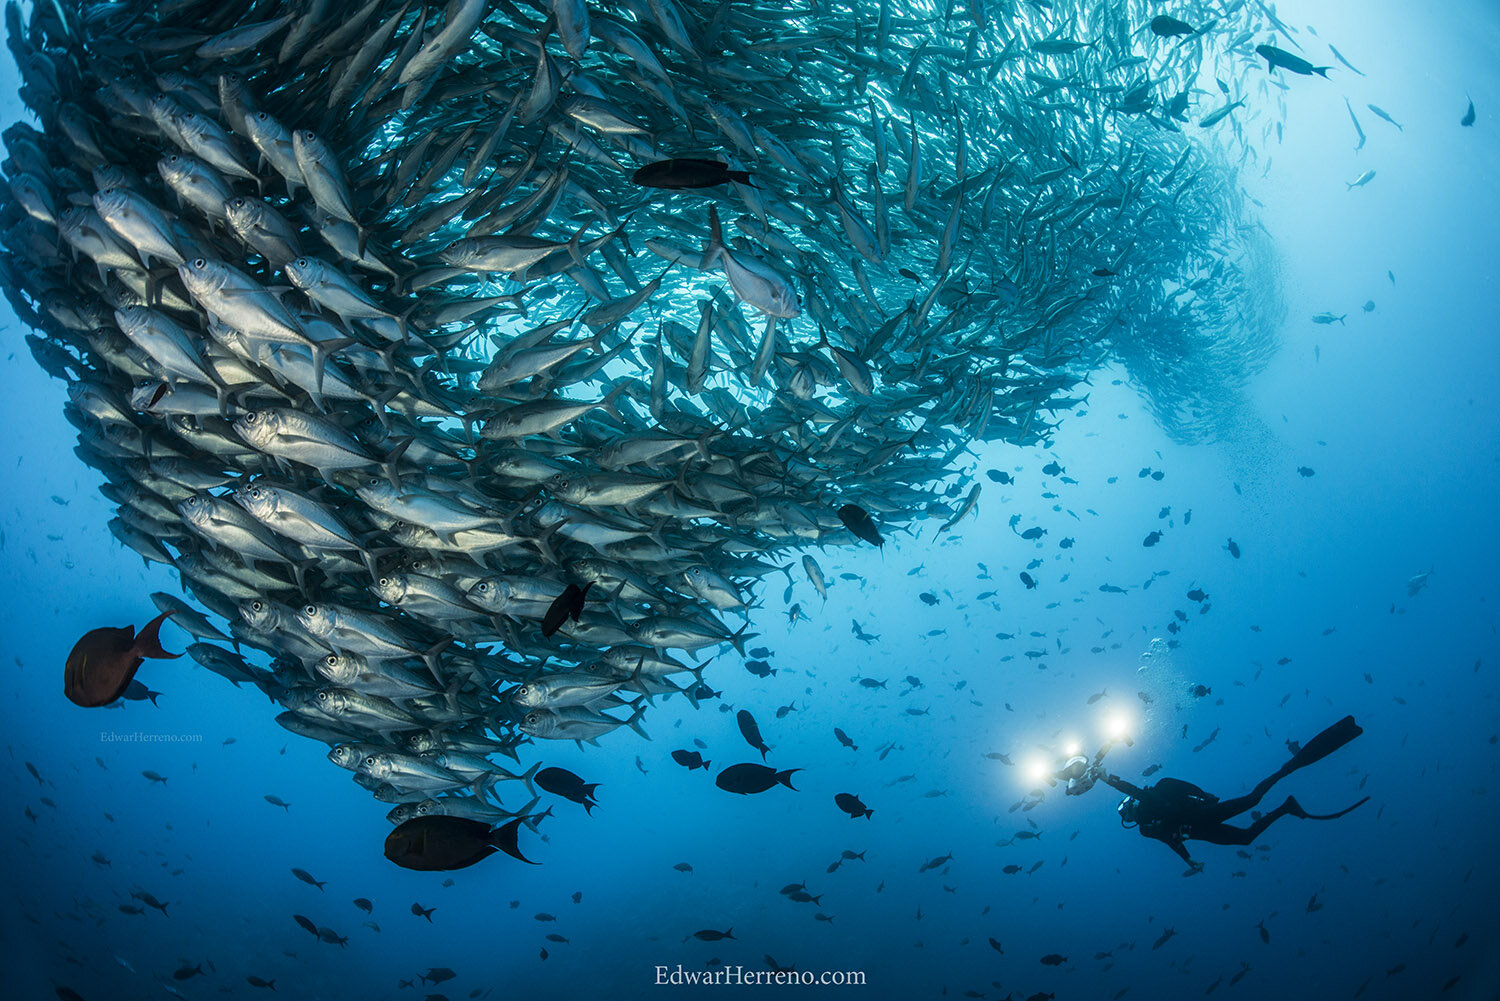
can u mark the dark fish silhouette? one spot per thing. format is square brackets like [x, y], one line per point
[1169, 27]
[440, 843]
[850, 804]
[1280, 59]
[690, 760]
[102, 664]
[564, 783]
[687, 172]
[749, 778]
[857, 520]
[751, 732]
[1468, 118]
[568, 605]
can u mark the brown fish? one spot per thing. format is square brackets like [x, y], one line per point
[103, 663]
[440, 843]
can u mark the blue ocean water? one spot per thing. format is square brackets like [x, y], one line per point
[1394, 413]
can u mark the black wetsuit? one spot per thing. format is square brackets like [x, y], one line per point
[1173, 811]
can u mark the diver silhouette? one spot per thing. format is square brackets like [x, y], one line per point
[1173, 811]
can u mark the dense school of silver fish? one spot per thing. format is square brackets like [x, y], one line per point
[382, 341]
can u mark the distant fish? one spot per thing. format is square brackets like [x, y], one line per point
[561, 782]
[1468, 118]
[751, 732]
[1169, 27]
[1326, 318]
[1382, 113]
[690, 760]
[1360, 181]
[1280, 59]
[307, 878]
[1340, 57]
[851, 805]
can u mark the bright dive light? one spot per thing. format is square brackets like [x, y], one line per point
[1117, 727]
[1037, 771]
[1073, 748]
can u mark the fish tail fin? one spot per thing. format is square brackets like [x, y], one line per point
[741, 177]
[715, 244]
[148, 642]
[393, 459]
[739, 638]
[1322, 71]
[634, 722]
[785, 778]
[529, 776]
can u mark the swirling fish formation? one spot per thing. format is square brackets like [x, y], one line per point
[473, 361]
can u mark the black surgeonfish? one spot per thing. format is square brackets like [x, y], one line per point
[687, 172]
[440, 843]
[857, 520]
[568, 605]
[850, 804]
[691, 760]
[561, 782]
[751, 732]
[749, 778]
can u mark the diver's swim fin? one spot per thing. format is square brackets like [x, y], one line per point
[1295, 809]
[1325, 743]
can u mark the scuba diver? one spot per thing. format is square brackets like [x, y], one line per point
[1173, 811]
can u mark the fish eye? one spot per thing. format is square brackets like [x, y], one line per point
[311, 609]
[198, 262]
[482, 587]
[370, 760]
[257, 606]
[385, 582]
[261, 116]
[302, 262]
[523, 690]
[331, 660]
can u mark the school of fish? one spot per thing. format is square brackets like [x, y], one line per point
[472, 364]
